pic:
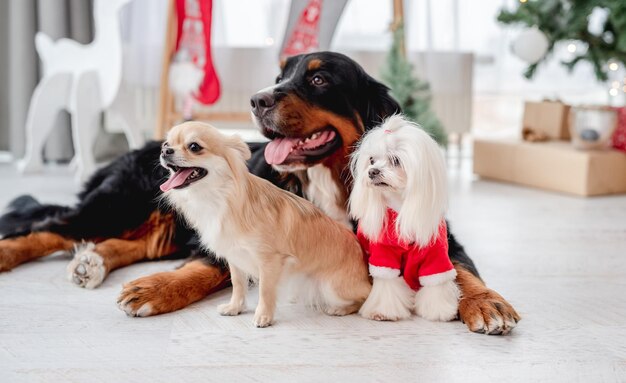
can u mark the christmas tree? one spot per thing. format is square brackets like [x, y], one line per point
[568, 21]
[412, 94]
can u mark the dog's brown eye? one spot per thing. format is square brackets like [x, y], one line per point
[395, 161]
[317, 81]
[195, 147]
[371, 160]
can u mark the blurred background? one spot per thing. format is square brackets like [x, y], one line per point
[526, 98]
[469, 61]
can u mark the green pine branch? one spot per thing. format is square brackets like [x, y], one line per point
[412, 94]
[568, 20]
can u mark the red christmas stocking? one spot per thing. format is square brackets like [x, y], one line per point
[304, 37]
[193, 42]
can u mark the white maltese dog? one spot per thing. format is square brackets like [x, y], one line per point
[399, 198]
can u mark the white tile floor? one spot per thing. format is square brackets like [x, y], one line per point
[560, 260]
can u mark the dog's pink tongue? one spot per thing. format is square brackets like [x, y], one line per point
[278, 149]
[176, 179]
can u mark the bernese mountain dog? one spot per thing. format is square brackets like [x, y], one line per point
[319, 107]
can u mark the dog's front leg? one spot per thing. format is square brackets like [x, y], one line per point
[15, 251]
[268, 284]
[238, 299]
[438, 302]
[391, 299]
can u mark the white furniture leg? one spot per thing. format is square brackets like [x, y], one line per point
[49, 98]
[86, 118]
[124, 108]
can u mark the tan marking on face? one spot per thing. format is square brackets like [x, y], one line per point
[300, 118]
[314, 64]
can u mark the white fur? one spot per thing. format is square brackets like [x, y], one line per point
[204, 207]
[320, 295]
[438, 302]
[87, 268]
[419, 181]
[383, 272]
[390, 299]
[437, 279]
[185, 78]
[323, 192]
[145, 310]
[314, 293]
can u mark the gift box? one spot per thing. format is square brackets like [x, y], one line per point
[553, 165]
[547, 117]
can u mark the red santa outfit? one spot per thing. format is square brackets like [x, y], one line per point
[420, 266]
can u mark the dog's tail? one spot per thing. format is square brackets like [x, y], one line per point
[25, 213]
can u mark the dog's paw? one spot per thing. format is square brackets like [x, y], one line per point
[389, 300]
[87, 268]
[378, 316]
[134, 310]
[439, 302]
[341, 310]
[230, 309]
[262, 319]
[488, 313]
[151, 295]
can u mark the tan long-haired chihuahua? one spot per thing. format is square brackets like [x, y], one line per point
[261, 230]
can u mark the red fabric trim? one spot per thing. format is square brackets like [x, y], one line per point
[414, 261]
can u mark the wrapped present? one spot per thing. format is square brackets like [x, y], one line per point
[547, 118]
[553, 165]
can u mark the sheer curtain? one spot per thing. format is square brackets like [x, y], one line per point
[20, 20]
[19, 68]
[4, 78]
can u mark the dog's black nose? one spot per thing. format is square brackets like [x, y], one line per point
[262, 102]
[373, 173]
[167, 151]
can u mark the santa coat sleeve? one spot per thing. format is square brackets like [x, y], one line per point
[435, 266]
[385, 259]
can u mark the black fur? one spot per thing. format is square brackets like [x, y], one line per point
[122, 195]
[117, 198]
[348, 91]
[23, 212]
[458, 255]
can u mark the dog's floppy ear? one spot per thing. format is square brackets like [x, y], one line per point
[235, 142]
[377, 104]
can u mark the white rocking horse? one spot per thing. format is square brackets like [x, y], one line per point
[84, 80]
